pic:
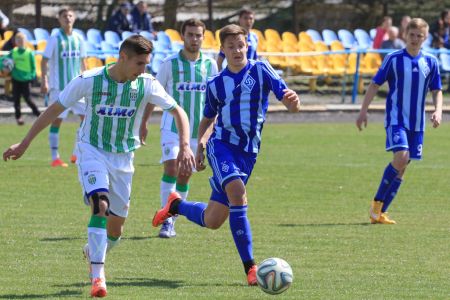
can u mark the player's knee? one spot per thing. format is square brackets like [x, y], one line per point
[100, 204]
[214, 224]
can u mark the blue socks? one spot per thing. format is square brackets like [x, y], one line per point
[241, 231]
[193, 211]
[390, 194]
[390, 173]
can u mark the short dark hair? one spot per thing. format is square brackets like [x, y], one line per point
[136, 45]
[230, 30]
[65, 9]
[245, 11]
[192, 22]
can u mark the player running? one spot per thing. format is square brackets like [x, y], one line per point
[116, 96]
[410, 74]
[236, 105]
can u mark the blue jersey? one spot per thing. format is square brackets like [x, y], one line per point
[241, 101]
[409, 80]
[252, 41]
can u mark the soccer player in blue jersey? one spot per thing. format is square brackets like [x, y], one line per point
[410, 74]
[230, 130]
[246, 20]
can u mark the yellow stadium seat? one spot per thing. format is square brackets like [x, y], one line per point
[261, 40]
[38, 59]
[339, 61]
[209, 41]
[305, 38]
[8, 34]
[216, 34]
[41, 45]
[323, 61]
[93, 62]
[289, 37]
[110, 59]
[174, 35]
[272, 36]
[277, 61]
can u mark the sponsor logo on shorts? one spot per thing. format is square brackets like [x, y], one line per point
[115, 111]
[92, 179]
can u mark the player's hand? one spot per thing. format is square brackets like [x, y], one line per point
[14, 152]
[186, 161]
[362, 119]
[44, 87]
[291, 100]
[200, 159]
[143, 132]
[436, 119]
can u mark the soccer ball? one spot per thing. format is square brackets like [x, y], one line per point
[8, 64]
[274, 275]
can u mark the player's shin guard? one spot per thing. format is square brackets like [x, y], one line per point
[241, 231]
[97, 245]
[390, 194]
[390, 173]
[167, 186]
[193, 211]
[183, 190]
[111, 242]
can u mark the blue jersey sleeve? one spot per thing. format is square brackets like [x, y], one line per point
[211, 102]
[275, 82]
[382, 73]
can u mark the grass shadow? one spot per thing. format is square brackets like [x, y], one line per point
[132, 282]
[60, 239]
[325, 224]
[61, 294]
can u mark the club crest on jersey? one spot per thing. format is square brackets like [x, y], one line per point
[424, 67]
[191, 87]
[249, 83]
[133, 94]
[114, 111]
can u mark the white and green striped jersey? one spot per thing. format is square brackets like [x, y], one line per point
[114, 110]
[65, 54]
[186, 81]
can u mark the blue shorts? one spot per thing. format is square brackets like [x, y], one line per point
[399, 138]
[228, 162]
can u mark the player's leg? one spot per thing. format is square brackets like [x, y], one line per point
[53, 136]
[27, 98]
[16, 93]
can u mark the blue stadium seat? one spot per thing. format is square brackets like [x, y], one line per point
[90, 48]
[126, 34]
[157, 60]
[80, 33]
[363, 38]
[164, 39]
[54, 31]
[314, 34]
[28, 34]
[108, 49]
[112, 38]
[176, 47]
[149, 36]
[329, 36]
[347, 38]
[95, 37]
[372, 33]
[41, 34]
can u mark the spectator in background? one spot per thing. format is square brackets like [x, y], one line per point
[440, 31]
[141, 19]
[403, 25]
[4, 21]
[121, 20]
[246, 21]
[393, 42]
[382, 32]
[22, 74]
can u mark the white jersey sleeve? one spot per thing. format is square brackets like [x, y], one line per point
[50, 47]
[76, 89]
[157, 95]
[163, 75]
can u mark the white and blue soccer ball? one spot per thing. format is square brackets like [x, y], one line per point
[274, 275]
[8, 64]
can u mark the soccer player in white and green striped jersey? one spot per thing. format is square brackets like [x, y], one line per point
[184, 76]
[116, 96]
[63, 58]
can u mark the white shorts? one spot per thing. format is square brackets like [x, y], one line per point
[101, 171]
[78, 108]
[170, 145]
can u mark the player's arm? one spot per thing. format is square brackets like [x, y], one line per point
[48, 116]
[291, 100]
[204, 132]
[44, 76]
[436, 117]
[185, 157]
[368, 97]
[143, 131]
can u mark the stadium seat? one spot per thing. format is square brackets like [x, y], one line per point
[8, 34]
[157, 60]
[216, 35]
[54, 31]
[164, 39]
[276, 61]
[372, 62]
[314, 34]
[126, 34]
[38, 59]
[28, 34]
[304, 37]
[174, 35]
[91, 49]
[347, 38]
[41, 45]
[339, 61]
[112, 38]
[94, 36]
[209, 42]
[261, 40]
[93, 62]
[80, 33]
[372, 33]
[272, 36]
[110, 59]
[329, 36]
[289, 37]
[149, 36]
[108, 50]
[176, 47]
[363, 38]
[323, 61]
[41, 34]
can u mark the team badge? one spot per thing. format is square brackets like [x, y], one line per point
[92, 179]
[225, 167]
[166, 151]
[424, 67]
[249, 82]
[133, 94]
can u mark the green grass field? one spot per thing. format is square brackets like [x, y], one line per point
[308, 196]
